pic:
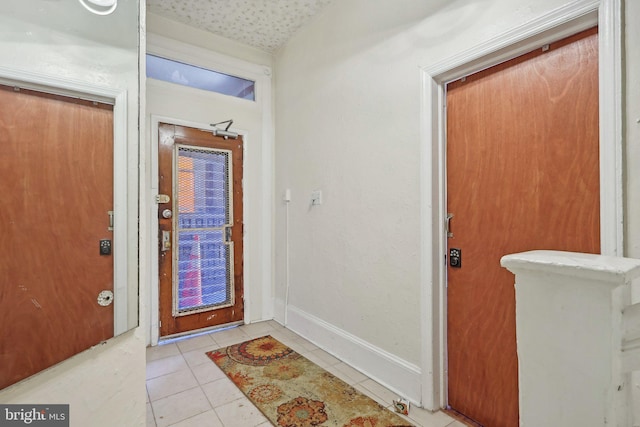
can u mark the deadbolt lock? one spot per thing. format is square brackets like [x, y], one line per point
[455, 258]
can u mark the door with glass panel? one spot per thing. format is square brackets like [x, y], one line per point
[200, 229]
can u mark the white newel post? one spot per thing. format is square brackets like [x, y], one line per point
[569, 323]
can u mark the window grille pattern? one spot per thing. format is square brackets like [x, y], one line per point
[204, 257]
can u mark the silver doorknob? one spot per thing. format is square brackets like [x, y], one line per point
[166, 214]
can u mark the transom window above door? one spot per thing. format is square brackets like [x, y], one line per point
[193, 76]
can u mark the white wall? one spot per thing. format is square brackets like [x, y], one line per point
[632, 90]
[104, 385]
[197, 108]
[348, 122]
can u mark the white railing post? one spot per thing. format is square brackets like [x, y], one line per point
[571, 335]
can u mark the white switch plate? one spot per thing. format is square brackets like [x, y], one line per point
[316, 197]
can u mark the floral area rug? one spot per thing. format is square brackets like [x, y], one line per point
[292, 391]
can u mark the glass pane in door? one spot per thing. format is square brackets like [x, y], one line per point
[203, 277]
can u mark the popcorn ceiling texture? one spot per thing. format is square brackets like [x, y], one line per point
[264, 24]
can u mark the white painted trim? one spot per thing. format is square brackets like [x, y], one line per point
[152, 220]
[611, 182]
[432, 244]
[121, 215]
[117, 97]
[145, 234]
[396, 374]
[555, 25]
[267, 239]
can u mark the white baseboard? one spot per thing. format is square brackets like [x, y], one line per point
[399, 376]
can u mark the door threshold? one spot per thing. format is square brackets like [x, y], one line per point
[192, 334]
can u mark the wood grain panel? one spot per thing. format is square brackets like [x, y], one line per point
[56, 165]
[168, 136]
[523, 174]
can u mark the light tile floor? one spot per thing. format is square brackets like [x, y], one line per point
[186, 389]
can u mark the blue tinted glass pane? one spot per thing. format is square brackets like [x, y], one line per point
[205, 259]
[199, 78]
[203, 270]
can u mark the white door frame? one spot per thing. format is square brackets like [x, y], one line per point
[555, 25]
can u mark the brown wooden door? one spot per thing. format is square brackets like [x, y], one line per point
[56, 168]
[201, 277]
[522, 174]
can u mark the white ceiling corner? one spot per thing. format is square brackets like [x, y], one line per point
[264, 24]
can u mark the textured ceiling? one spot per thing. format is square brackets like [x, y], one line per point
[265, 24]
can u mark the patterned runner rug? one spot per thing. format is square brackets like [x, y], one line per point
[292, 391]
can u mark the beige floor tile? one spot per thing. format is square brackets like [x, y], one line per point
[151, 421]
[180, 406]
[409, 420]
[165, 366]
[274, 324]
[307, 345]
[368, 392]
[385, 395]
[321, 358]
[346, 373]
[285, 336]
[380, 390]
[258, 329]
[456, 424]
[296, 345]
[161, 351]
[205, 419]
[199, 356]
[228, 337]
[221, 392]
[202, 341]
[240, 412]
[172, 383]
[207, 373]
[428, 418]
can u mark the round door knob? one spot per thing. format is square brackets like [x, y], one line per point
[105, 298]
[166, 214]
